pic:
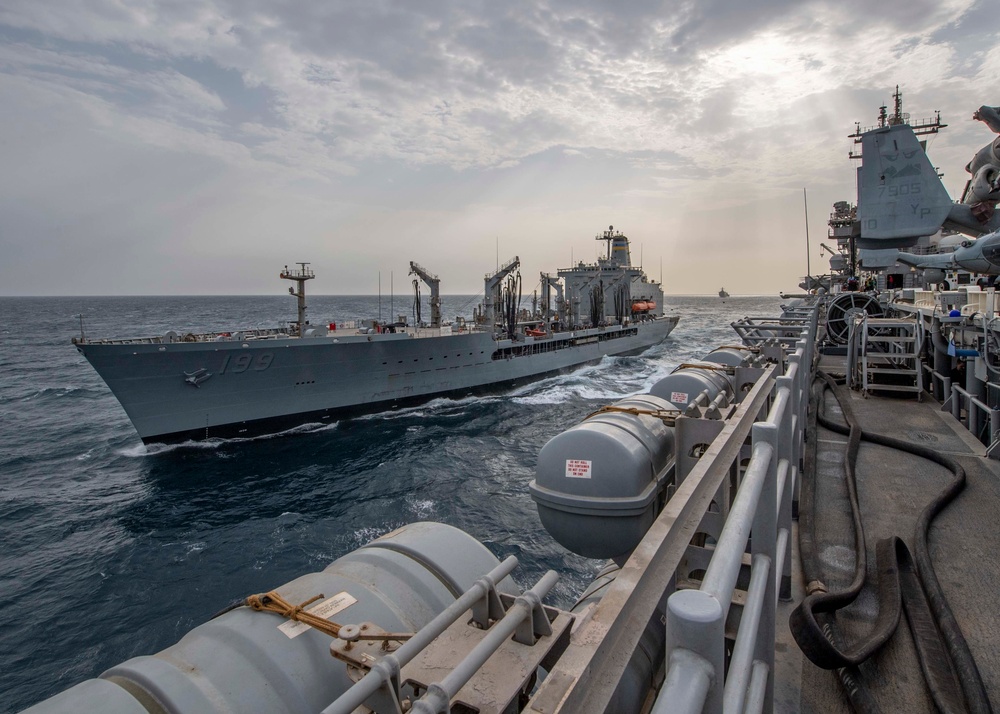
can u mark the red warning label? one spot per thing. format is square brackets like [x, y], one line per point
[578, 468]
[679, 397]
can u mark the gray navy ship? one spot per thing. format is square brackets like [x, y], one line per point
[246, 383]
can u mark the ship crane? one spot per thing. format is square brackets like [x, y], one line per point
[434, 283]
[300, 276]
[492, 285]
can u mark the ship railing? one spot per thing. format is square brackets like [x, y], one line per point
[761, 514]
[788, 329]
[977, 413]
[235, 335]
[445, 330]
[940, 384]
[521, 619]
[772, 415]
[697, 677]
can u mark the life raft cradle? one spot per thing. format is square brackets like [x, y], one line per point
[390, 665]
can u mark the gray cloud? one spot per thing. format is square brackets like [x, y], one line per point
[165, 128]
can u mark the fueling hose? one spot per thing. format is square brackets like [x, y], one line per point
[903, 581]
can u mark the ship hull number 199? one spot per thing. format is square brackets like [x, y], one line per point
[245, 361]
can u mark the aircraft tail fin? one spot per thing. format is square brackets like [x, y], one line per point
[900, 197]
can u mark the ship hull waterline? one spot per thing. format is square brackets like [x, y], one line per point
[181, 391]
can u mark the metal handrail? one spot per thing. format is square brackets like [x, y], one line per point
[606, 640]
[386, 671]
[437, 700]
[762, 507]
[973, 405]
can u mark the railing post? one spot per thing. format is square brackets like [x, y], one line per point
[787, 428]
[803, 380]
[972, 389]
[695, 623]
[798, 402]
[763, 538]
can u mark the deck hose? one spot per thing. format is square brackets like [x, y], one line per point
[904, 581]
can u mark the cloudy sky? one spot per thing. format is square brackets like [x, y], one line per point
[195, 147]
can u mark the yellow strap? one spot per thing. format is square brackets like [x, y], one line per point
[273, 602]
[716, 367]
[662, 414]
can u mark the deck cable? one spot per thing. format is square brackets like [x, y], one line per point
[903, 582]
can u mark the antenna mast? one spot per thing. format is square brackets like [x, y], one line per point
[921, 127]
[805, 203]
[608, 236]
[300, 276]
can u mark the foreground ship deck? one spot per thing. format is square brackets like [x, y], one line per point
[894, 487]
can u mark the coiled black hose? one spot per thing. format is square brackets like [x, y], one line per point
[949, 668]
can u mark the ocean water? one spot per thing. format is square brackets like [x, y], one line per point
[110, 549]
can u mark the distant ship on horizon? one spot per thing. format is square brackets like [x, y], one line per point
[723, 293]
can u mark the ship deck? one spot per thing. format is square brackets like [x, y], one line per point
[894, 487]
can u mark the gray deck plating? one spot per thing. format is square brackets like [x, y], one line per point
[964, 540]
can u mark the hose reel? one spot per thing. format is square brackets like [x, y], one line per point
[842, 310]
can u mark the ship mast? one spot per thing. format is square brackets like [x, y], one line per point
[608, 236]
[300, 276]
[898, 116]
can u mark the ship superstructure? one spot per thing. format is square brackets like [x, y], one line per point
[610, 289]
[241, 383]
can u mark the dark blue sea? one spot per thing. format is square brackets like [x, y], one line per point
[111, 549]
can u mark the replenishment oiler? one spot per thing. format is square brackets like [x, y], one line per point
[243, 383]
